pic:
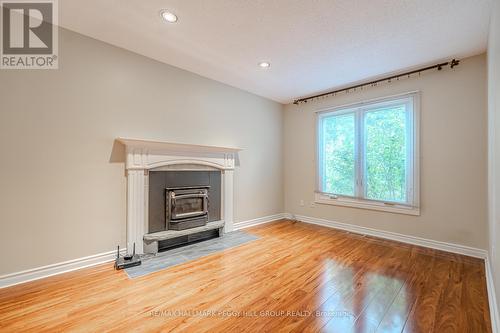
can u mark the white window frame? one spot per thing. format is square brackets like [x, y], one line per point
[412, 206]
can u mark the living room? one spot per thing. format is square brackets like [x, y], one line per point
[250, 166]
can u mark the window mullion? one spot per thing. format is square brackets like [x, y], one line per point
[362, 159]
[320, 181]
[410, 151]
[359, 154]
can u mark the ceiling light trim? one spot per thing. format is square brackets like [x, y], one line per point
[168, 16]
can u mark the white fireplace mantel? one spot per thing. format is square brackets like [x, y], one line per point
[145, 155]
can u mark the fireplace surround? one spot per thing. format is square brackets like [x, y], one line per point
[143, 156]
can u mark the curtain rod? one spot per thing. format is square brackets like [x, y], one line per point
[451, 63]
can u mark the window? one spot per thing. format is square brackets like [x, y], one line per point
[368, 155]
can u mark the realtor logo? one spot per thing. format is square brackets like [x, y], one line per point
[29, 34]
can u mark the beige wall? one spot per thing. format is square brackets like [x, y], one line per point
[453, 158]
[62, 193]
[494, 142]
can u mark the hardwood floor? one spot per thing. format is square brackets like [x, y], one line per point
[295, 278]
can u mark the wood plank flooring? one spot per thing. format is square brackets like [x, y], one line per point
[295, 278]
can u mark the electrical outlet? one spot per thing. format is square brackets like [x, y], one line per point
[302, 203]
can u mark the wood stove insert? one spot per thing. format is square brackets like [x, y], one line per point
[186, 207]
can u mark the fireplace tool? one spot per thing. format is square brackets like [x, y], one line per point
[128, 260]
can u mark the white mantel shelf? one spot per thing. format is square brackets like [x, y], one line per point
[148, 154]
[143, 156]
[173, 146]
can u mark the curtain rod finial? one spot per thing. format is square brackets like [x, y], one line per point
[454, 63]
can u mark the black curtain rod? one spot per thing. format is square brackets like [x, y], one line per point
[440, 66]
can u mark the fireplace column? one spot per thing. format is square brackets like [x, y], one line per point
[227, 199]
[135, 209]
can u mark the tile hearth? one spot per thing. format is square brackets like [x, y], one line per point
[190, 252]
[151, 240]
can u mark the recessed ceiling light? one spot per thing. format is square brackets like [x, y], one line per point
[264, 64]
[168, 16]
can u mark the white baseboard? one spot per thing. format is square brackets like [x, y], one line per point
[438, 245]
[492, 299]
[433, 244]
[260, 220]
[54, 269]
[71, 265]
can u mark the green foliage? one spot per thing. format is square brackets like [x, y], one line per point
[385, 151]
[338, 154]
[385, 154]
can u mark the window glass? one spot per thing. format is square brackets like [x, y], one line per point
[338, 151]
[386, 154]
[366, 151]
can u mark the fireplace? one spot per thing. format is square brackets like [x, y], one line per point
[183, 199]
[146, 197]
[186, 207]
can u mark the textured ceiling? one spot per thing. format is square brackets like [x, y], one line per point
[313, 45]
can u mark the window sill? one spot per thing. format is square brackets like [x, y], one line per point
[326, 199]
